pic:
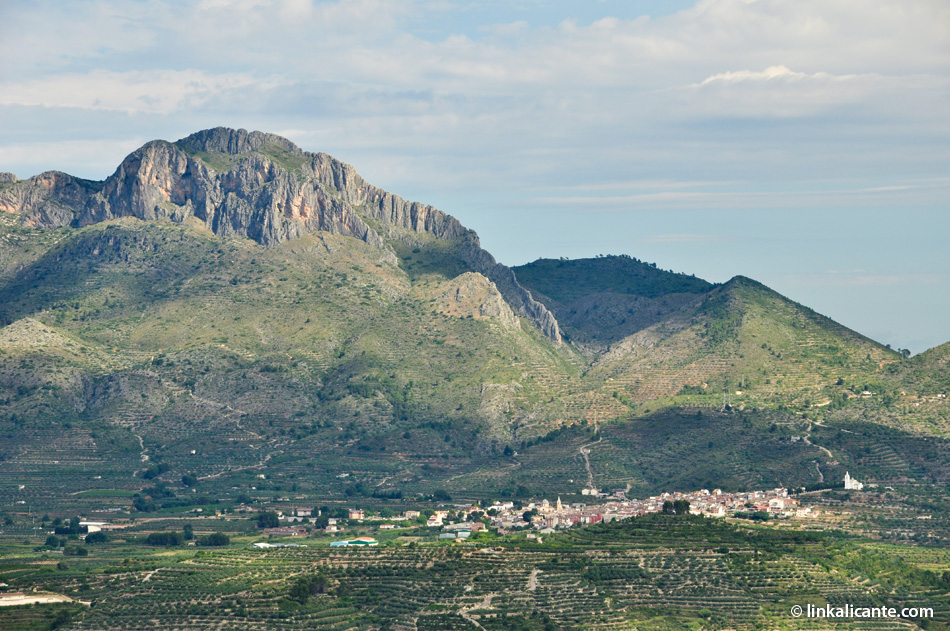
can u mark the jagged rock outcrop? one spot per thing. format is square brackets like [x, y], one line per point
[383, 205]
[255, 185]
[257, 198]
[236, 141]
[48, 200]
[517, 296]
[472, 295]
[392, 209]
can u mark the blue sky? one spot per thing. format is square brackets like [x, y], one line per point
[803, 143]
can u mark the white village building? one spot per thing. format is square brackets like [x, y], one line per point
[850, 484]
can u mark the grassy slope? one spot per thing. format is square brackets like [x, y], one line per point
[671, 334]
[322, 356]
[926, 374]
[745, 338]
[310, 353]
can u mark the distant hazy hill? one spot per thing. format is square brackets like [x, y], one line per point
[266, 308]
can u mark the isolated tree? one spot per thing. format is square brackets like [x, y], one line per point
[306, 586]
[268, 519]
[215, 540]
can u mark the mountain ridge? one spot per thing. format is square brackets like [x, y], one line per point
[407, 360]
[261, 196]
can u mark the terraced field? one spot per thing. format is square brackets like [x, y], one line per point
[657, 572]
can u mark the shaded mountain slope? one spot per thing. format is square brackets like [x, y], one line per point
[601, 300]
[926, 374]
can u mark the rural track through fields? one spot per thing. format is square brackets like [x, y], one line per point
[584, 451]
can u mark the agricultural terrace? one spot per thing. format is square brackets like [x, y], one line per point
[650, 572]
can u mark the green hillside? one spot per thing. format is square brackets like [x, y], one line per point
[309, 351]
[365, 344]
[926, 374]
[745, 346]
[325, 355]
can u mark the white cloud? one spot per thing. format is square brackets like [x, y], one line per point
[780, 92]
[772, 72]
[742, 199]
[159, 92]
[588, 102]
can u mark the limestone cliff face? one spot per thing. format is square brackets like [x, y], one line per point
[392, 209]
[382, 205]
[49, 199]
[255, 185]
[517, 296]
[256, 198]
[472, 295]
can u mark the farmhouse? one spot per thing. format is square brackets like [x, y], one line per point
[285, 532]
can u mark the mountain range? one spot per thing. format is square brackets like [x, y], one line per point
[233, 306]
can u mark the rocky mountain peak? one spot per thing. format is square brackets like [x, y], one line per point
[235, 141]
[255, 185]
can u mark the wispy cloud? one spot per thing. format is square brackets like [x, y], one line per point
[158, 92]
[712, 199]
[662, 184]
[774, 73]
